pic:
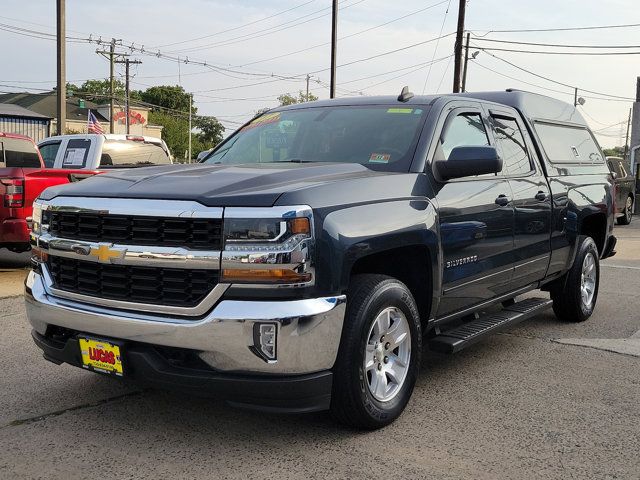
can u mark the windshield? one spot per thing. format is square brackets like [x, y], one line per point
[17, 152]
[380, 137]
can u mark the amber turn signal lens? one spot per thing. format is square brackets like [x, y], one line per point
[39, 255]
[300, 225]
[264, 276]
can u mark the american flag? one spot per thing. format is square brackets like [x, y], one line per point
[93, 125]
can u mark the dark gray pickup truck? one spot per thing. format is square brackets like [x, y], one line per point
[304, 264]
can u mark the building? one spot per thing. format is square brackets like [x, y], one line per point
[77, 112]
[17, 119]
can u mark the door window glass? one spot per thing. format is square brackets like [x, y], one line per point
[564, 144]
[465, 130]
[513, 150]
[18, 152]
[75, 156]
[49, 152]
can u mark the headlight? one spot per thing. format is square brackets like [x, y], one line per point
[268, 246]
[265, 234]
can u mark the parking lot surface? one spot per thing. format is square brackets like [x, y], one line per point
[543, 400]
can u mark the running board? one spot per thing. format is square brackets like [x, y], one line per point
[452, 341]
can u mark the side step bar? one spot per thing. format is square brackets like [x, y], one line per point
[452, 341]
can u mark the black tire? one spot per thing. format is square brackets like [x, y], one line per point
[352, 402]
[568, 302]
[628, 212]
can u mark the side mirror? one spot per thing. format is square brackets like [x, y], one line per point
[468, 162]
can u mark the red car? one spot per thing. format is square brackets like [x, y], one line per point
[23, 177]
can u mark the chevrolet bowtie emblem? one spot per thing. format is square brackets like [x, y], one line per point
[105, 254]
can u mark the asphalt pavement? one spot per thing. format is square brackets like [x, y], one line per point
[544, 400]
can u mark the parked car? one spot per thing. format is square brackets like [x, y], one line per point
[303, 264]
[625, 190]
[22, 179]
[94, 151]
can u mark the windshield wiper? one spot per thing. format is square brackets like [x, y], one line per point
[294, 160]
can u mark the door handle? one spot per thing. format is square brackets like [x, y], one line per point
[502, 200]
[541, 196]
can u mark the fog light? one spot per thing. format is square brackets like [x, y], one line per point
[265, 338]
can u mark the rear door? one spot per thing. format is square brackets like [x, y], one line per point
[476, 220]
[531, 196]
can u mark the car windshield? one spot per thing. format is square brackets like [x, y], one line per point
[16, 152]
[378, 136]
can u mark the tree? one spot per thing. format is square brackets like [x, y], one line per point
[614, 152]
[98, 91]
[210, 131]
[288, 99]
[168, 96]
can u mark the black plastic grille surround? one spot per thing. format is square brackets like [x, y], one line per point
[160, 286]
[193, 233]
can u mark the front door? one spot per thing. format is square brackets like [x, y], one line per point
[476, 219]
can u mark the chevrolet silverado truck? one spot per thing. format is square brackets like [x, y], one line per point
[22, 178]
[302, 265]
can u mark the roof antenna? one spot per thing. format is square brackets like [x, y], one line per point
[405, 95]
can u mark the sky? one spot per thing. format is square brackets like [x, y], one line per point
[255, 50]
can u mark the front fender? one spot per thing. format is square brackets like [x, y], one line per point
[352, 233]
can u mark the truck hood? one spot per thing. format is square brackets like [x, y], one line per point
[213, 185]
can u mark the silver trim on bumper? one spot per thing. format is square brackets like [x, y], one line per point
[309, 330]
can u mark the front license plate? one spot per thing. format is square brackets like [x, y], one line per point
[101, 356]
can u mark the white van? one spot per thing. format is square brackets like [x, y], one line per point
[95, 151]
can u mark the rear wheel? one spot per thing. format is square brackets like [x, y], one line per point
[379, 355]
[576, 299]
[628, 212]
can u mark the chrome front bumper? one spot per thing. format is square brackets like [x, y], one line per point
[308, 335]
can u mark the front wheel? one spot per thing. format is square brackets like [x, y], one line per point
[379, 357]
[576, 299]
[628, 212]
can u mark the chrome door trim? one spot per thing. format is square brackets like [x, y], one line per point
[199, 310]
[135, 207]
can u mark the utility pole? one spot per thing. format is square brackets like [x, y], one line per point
[334, 46]
[575, 97]
[457, 64]
[307, 97]
[127, 103]
[111, 84]
[61, 66]
[190, 114]
[466, 62]
[111, 56]
[626, 138]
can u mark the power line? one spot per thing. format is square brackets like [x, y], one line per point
[267, 31]
[435, 50]
[415, 12]
[237, 27]
[556, 81]
[548, 52]
[560, 45]
[564, 29]
[388, 52]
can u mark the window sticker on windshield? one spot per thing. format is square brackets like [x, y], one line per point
[379, 158]
[400, 110]
[263, 120]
